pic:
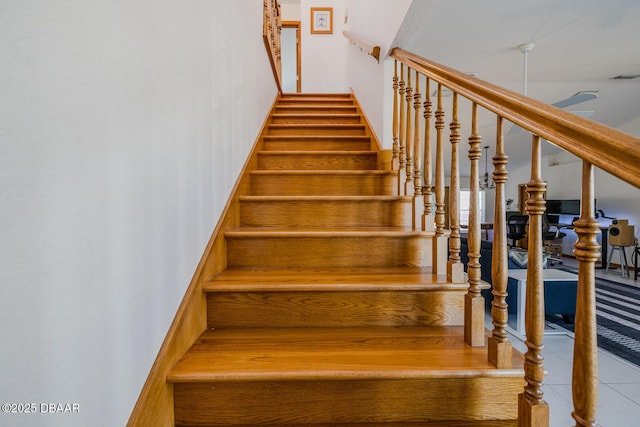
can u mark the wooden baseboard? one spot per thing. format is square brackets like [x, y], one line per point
[155, 402]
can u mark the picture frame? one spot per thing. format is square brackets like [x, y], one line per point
[321, 20]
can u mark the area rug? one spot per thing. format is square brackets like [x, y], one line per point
[618, 319]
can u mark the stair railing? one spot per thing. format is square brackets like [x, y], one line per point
[271, 31]
[597, 146]
[369, 49]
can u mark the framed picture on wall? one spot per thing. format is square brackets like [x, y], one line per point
[321, 20]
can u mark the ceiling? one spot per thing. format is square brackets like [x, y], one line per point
[579, 45]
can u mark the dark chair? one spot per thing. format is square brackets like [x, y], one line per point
[516, 227]
[552, 240]
[553, 219]
[550, 232]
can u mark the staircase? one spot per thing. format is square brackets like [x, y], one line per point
[328, 312]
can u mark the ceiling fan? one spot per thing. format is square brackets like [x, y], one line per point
[577, 98]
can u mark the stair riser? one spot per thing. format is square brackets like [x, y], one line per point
[323, 184]
[316, 109]
[335, 401]
[282, 129]
[321, 213]
[315, 119]
[318, 252]
[318, 144]
[327, 161]
[334, 309]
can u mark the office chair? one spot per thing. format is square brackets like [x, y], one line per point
[517, 227]
[552, 240]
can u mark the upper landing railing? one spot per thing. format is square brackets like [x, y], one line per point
[418, 156]
[271, 30]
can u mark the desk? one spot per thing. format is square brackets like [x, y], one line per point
[604, 242]
[549, 276]
[486, 226]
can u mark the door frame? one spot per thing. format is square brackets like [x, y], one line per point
[296, 25]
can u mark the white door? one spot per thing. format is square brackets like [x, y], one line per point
[289, 39]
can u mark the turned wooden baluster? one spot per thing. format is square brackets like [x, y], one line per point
[585, 350]
[403, 129]
[417, 175]
[533, 410]
[409, 137]
[500, 349]
[265, 24]
[440, 239]
[427, 213]
[278, 38]
[455, 269]
[474, 302]
[272, 25]
[395, 161]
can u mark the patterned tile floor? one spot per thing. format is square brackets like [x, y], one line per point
[619, 380]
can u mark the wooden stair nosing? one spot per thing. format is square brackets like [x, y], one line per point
[363, 233]
[325, 198]
[344, 153]
[332, 108]
[316, 126]
[336, 354]
[311, 172]
[305, 138]
[317, 115]
[364, 279]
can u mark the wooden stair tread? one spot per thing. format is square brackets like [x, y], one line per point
[318, 153]
[297, 126]
[318, 107]
[324, 198]
[253, 232]
[461, 423]
[317, 137]
[335, 279]
[325, 172]
[316, 115]
[335, 354]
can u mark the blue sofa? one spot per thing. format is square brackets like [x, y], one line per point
[560, 297]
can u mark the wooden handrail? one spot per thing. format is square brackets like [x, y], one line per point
[363, 45]
[611, 150]
[271, 30]
[597, 145]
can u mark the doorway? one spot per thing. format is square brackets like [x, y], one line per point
[290, 54]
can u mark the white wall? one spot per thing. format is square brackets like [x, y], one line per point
[123, 126]
[323, 55]
[290, 10]
[377, 22]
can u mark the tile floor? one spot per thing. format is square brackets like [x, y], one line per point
[619, 380]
